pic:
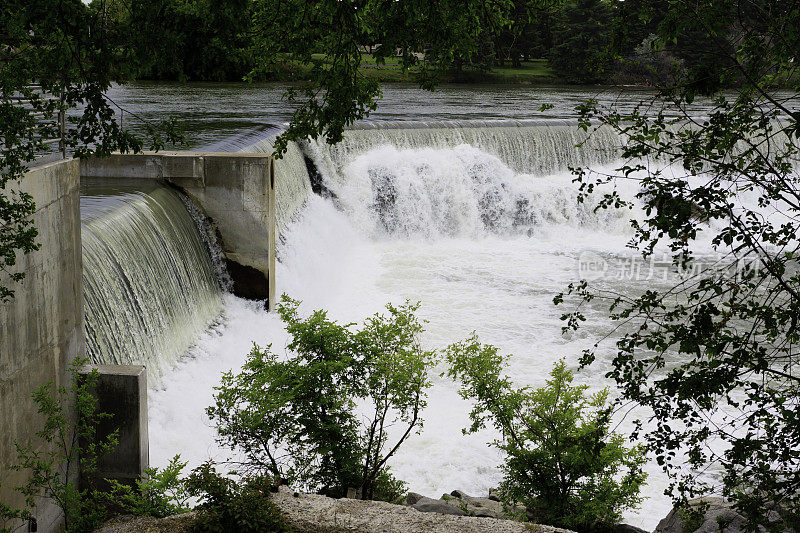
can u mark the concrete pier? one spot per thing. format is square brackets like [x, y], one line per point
[41, 329]
[236, 191]
[121, 391]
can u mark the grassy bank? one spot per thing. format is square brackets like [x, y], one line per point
[535, 72]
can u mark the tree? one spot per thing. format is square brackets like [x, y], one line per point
[190, 39]
[519, 39]
[581, 41]
[55, 55]
[714, 357]
[450, 35]
[299, 418]
[562, 461]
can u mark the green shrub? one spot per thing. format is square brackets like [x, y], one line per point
[389, 489]
[320, 416]
[227, 505]
[562, 462]
[11, 515]
[158, 493]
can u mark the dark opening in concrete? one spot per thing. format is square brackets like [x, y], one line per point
[248, 282]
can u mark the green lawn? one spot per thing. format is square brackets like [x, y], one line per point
[535, 68]
[532, 72]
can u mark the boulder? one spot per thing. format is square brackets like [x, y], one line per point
[627, 528]
[413, 497]
[429, 505]
[719, 517]
[484, 507]
[459, 503]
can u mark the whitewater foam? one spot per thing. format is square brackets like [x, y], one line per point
[498, 279]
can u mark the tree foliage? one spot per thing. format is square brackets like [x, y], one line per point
[581, 41]
[189, 39]
[714, 357]
[54, 54]
[562, 461]
[321, 417]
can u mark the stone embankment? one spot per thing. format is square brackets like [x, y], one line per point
[311, 513]
[718, 517]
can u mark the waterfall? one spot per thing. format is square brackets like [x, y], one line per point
[533, 147]
[293, 185]
[519, 147]
[150, 286]
[465, 178]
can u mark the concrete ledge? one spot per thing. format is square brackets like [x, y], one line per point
[168, 165]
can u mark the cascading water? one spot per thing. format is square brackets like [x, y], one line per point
[455, 192]
[151, 286]
[293, 186]
[534, 147]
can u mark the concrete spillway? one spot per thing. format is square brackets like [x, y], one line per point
[529, 147]
[151, 282]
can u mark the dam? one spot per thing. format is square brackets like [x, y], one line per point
[181, 253]
[154, 271]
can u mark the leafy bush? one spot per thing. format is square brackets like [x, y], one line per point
[227, 505]
[320, 417]
[389, 489]
[11, 515]
[562, 462]
[158, 493]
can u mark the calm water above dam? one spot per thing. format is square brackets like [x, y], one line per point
[483, 229]
[226, 117]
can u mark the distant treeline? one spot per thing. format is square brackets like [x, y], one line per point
[583, 41]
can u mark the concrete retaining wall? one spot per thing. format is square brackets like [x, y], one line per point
[237, 191]
[41, 329]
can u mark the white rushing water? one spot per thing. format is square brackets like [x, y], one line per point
[483, 246]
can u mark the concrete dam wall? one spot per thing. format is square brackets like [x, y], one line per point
[41, 329]
[236, 191]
